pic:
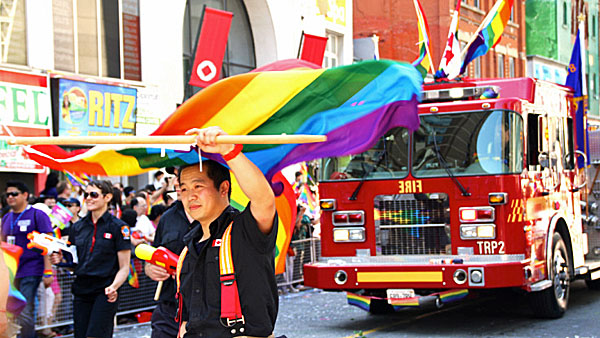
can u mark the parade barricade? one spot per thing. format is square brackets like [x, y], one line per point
[134, 300]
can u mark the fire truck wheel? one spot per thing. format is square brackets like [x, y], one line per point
[552, 302]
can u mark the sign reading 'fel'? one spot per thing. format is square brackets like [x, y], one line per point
[211, 47]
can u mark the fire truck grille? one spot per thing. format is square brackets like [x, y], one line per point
[412, 224]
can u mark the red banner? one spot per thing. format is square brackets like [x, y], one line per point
[313, 49]
[211, 47]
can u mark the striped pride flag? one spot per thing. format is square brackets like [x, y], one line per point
[335, 102]
[423, 63]
[489, 32]
[16, 302]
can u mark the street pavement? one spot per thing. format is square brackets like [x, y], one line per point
[314, 313]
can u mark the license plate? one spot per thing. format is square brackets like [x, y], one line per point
[400, 293]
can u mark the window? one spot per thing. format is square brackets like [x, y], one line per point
[87, 38]
[593, 25]
[13, 38]
[500, 65]
[511, 67]
[594, 84]
[512, 14]
[477, 68]
[476, 3]
[239, 56]
[565, 14]
[333, 51]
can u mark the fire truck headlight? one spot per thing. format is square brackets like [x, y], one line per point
[349, 235]
[477, 231]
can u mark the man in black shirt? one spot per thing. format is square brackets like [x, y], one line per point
[173, 225]
[205, 195]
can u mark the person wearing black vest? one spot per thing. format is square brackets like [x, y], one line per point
[205, 302]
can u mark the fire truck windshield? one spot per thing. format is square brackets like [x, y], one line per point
[471, 143]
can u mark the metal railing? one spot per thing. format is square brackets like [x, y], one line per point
[58, 310]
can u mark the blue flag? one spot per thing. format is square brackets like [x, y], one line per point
[575, 80]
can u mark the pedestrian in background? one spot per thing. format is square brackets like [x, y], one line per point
[33, 267]
[172, 226]
[103, 249]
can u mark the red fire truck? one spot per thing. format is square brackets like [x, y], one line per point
[486, 194]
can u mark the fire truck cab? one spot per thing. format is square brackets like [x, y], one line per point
[486, 194]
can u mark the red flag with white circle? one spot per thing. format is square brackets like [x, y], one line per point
[210, 50]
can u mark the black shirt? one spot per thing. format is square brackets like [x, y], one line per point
[253, 260]
[173, 225]
[97, 247]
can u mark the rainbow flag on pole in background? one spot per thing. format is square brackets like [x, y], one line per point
[423, 63]
[16, 301]
[489, 32]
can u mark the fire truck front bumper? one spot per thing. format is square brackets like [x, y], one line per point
[418, 272]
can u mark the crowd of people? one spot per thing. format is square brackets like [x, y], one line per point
[183, 210]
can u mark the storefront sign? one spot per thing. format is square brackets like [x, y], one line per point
[25, 110]
[91, 109]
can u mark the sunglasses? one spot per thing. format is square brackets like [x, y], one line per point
[13, 193]
[92, 194]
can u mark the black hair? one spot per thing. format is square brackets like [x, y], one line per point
[298, 173]
[156, 211]
[22, 187]
[104, 186]
[158, 173]
[129, 216]
[215, 171]
[51, 181]
[43, 198]
[127, 190]
[116, 199]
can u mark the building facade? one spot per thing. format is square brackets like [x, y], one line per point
[551, 30]
[395, 23]
[120, 67]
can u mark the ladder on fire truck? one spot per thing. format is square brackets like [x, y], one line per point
[8, 10]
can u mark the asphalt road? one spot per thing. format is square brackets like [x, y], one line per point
[314, 313]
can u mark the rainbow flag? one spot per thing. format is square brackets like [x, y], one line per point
[16, 302]
[423, 63]
[448, 296]
[75, 180]
[286, 211]
[132, 278]
[489, 32]
[337, 102]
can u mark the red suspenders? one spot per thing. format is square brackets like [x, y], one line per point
[231, 310]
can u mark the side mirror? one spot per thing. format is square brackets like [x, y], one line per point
[543, 160]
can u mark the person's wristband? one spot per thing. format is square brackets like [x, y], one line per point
[47, 273]
[233, 153]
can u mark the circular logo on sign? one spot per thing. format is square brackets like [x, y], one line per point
[211, 70]
[74, 105]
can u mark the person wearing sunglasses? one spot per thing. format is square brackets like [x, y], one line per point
[104, 250]
[33, 267]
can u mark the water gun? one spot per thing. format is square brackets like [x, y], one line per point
[49, 244]
[160, 257]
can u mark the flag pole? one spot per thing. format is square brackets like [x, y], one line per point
[483, 24]
[164, 139]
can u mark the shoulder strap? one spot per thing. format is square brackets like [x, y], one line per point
[178, 280]
[231, 310]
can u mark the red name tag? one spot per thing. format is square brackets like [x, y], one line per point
[108, 235]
